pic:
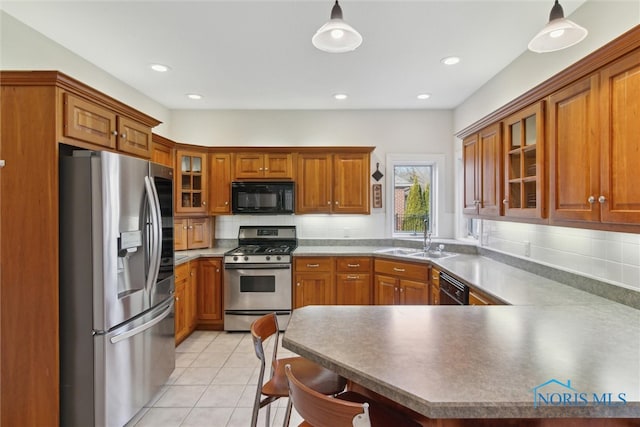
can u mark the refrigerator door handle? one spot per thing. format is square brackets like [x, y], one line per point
[156, 234]
[135, 331]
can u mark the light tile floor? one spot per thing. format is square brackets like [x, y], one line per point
[213, 385]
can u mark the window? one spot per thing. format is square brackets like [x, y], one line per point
[412, 196]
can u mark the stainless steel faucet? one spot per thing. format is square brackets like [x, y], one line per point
[426, 239]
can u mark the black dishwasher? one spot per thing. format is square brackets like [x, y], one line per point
[453, 291]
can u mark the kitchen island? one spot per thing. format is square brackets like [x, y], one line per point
[498, 362]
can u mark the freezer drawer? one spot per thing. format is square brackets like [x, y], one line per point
[129, 366]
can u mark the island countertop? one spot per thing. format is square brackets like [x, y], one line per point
[482, 362]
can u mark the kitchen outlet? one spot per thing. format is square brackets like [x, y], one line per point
[527, 248]
[346, 232]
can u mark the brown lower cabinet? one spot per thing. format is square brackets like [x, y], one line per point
[183, 304]
[209, 306]
[313, 281]
[435, 286]
[402, 283]
[198, 296]
[353, 281]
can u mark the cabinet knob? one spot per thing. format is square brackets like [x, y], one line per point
[298, 284]
[336, 202]
[204, 203]
[591, 199]
[190, 227]
[123, 136]
[226, 203]
[329, 202]
[401, 290]
[114, 132]
[602, 199]
[266, 169]
[217, 270]
[505, 202]
[184, 227]
[260, 169]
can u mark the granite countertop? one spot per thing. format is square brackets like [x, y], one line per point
[484, 362]
[505, 283]
[480, 362]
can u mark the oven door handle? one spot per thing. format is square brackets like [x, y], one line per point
[257, 266]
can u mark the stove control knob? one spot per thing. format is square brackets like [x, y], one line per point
[246, 258]
[235, 258]
[278, 257]
[268, 258]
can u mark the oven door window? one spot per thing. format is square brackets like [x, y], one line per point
[260, 284]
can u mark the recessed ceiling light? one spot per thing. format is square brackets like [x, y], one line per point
[423, 96]
[160, 68]
[194, 96]
[340, 96]
[450, 60]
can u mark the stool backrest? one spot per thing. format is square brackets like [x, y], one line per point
[324, 411]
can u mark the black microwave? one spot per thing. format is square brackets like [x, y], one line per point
[273, 197]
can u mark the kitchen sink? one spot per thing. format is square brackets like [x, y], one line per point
[432, 255]
[399, 251]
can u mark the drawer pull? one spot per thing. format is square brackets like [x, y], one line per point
[352, 277]
[313, 265]
[353, 265]
[399, 269]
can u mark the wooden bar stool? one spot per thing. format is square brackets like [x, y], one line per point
[319, 410]
[316, 377]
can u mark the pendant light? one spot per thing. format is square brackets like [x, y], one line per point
[336, 36]
[558, 34]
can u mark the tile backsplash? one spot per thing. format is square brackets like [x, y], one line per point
[309, 226]
[603, 255]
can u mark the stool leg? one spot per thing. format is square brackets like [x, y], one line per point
[267, 421]
[287, 414]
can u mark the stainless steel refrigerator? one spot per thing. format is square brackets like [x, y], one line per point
[116, 285]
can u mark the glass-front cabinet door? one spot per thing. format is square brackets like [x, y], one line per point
[191, 188]
[524, 163]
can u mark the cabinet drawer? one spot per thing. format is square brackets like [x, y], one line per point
[182, 272]
[402, 269]
[349, 264]
[349, 277]
[313, 264]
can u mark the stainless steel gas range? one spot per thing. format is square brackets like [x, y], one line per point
[257, 276]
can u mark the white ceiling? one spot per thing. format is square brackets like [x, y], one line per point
[258, 54]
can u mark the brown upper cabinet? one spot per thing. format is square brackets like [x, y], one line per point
[571, 146]
[333, 183]
[524, 163]
[482, 154]
[162, 151]
[263, 166]
[574, 152]
[96, 124]
[220, 183]
[191, 182]
[620, 140]
[595, 146]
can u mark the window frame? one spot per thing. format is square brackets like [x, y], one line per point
[437, 162]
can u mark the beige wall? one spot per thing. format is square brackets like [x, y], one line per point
[22, 48]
